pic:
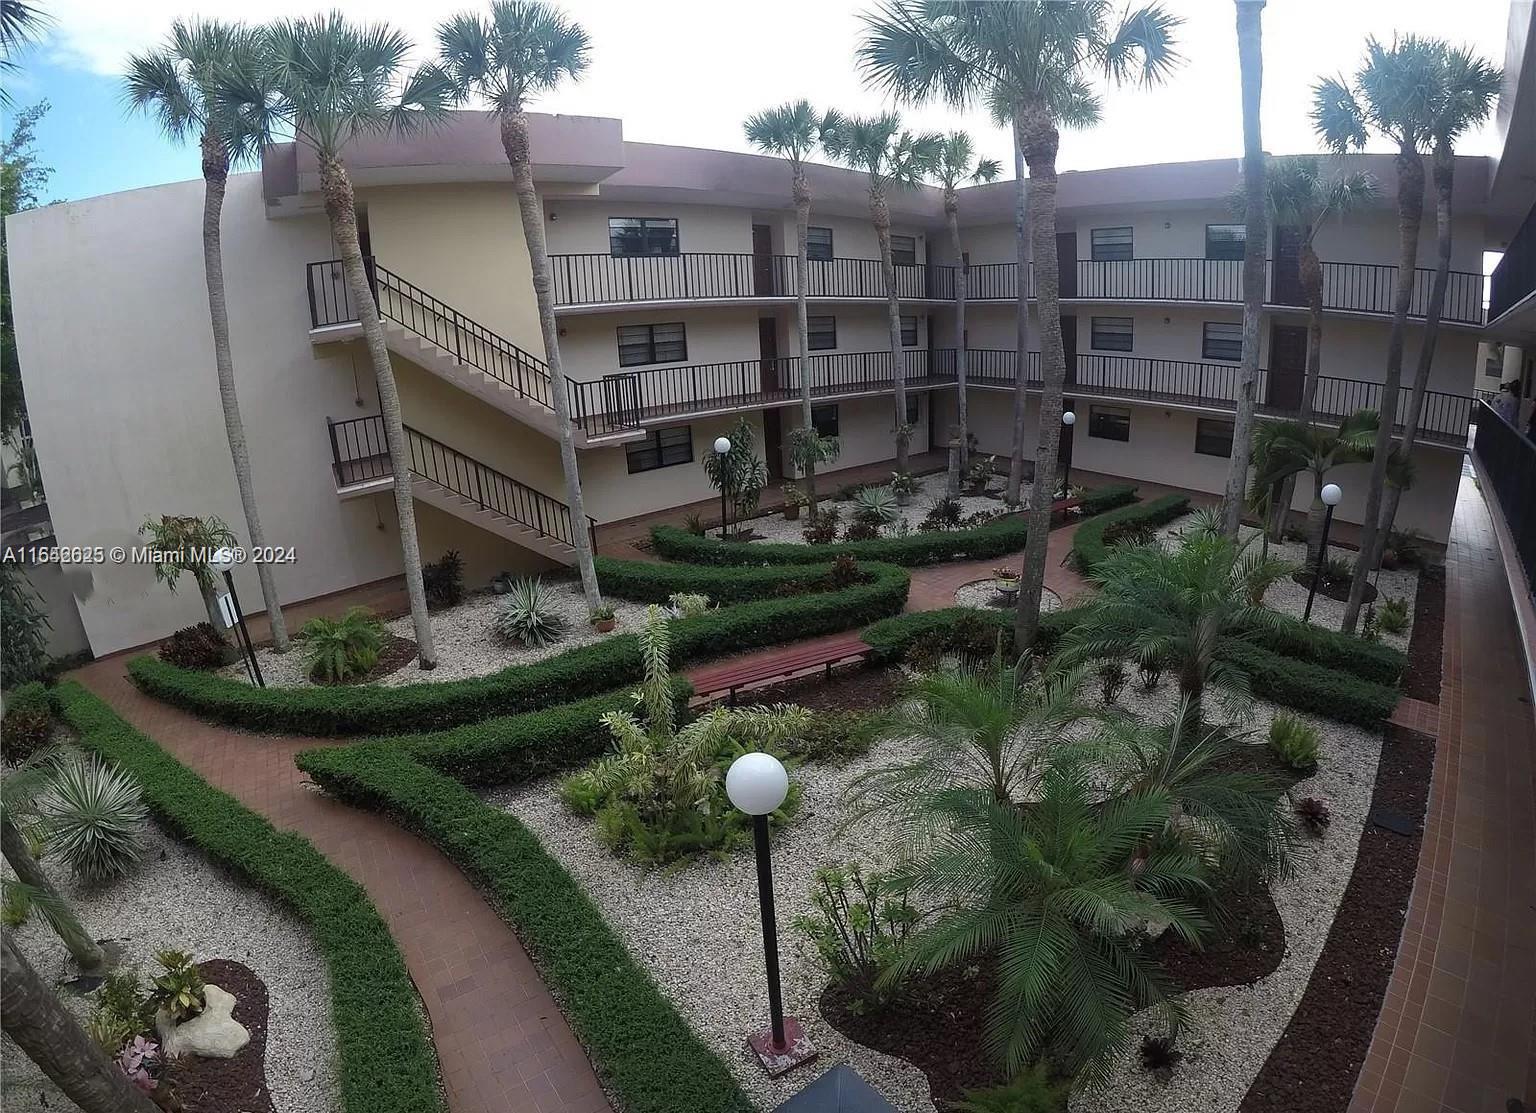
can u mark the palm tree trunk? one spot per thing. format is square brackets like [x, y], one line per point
[1312, 287]
[962, 413]
[1315, 513]
[340, 208]
[210, 594]
[215, 179]
[1012, 495]
[514, 140]
[802, 195]
[33, 1016]
[1443, 170]
[1251, 58]
[1410, 214]
[1041, 140]
[880, 214]
[87, 954]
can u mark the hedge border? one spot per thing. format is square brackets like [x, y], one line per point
[994, 539]
[387, 1061]
[653, 582]
[1091, 542]
[575, 674]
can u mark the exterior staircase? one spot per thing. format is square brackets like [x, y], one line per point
[446, 478]
[442, 341]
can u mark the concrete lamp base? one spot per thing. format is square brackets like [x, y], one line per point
[776, 1061]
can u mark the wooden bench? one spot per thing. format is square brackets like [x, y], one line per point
[791, 660]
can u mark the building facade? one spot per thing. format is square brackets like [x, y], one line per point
[674, 281]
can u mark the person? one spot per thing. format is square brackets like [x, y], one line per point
[1507, 405]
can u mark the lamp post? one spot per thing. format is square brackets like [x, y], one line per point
[1068, 419]
[1330, 494]
[757, 784]
[223, 560]
[722, 449]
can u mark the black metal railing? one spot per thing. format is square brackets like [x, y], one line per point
[1514, 278]
[624, 400]
[469, 342]
[359, 453]
[1507, 463]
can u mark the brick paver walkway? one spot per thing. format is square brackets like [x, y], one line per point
[1455, 1031]
[503, 1044]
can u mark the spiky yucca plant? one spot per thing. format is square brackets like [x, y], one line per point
[94, 816]
[528, 615]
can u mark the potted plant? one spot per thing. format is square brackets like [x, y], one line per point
[1006, 580]
[603, 617]
[904, 485]
[979, 474]
[794, 499]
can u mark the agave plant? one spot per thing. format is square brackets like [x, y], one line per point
[875, 505]
[94, 816]
[528, 615]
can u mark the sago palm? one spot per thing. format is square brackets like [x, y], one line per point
[891, 157]
[1393, 94]
[328, 81]
[1056, 894]
[523, 49]
[1284, 449]
[184, 86]
[1031, 62]
[793, 131]
[958, 165]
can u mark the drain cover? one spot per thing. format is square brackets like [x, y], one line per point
[1394, 821]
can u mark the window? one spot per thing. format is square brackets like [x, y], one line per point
[914, 409]
[1225, 241]
[643, 236]
[821, 333]
[909, 332]
[1213, 436]
[1112, 334]
[1109, 423]
[904, 250]
[818, 243]
[1112, 245]
[640, 344]
[1222, 341]
[661, 448]
[824, 420]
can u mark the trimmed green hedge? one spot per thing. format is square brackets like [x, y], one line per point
[387, 1061]
[647, 581]
[578, 673]
[995, 539]
[642, 1049]
[1091, 542]
[1293, 638]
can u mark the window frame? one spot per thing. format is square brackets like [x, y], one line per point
[645, 222]
[652, 357]
[1109, 254]
[820, 422]
[916, 330]
[1093, 334]
[811, 247]
[908, 239]
[1241, 240]
[653, 446]
[811, 330]
[1206, 339]
[1201, 433]
[1116, 415]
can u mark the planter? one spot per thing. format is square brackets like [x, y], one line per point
[791, 511]
[605, 625]
[903, 498]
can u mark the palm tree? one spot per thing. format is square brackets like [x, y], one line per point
[1030, 61]
[1469, 86]
[20, 25]
[892, 158]
[1393, 93]
[33, 1016]
[957, 165]
[793, 131]
[1013, 492]
[523, 49]
[1284, 449]
[1057, 893]
[1173, 606]
[1250, 53]
[328, 80]
[181, 84]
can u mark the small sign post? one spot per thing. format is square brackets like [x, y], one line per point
[234, 619]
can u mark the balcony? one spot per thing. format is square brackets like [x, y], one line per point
[1513, 283]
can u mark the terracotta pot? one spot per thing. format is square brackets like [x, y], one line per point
[605, 625]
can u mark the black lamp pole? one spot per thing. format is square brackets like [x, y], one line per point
[242, 633]
[1317, 568]
[722, 497]
[770, 929]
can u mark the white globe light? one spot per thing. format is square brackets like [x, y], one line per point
[222, 560]
[757, 783]
[1332, 493]
[722, 445]
[1069, 418]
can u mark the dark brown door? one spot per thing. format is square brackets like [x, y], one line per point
[1066, 264]
[773, 443]
[1287, 367]
[762, 261]
[768, 353]
[1069, 346]
[1288, 241]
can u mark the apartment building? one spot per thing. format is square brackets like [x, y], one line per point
[674, 284]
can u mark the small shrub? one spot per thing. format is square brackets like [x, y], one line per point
[24, 629]
[979, 474]
[603, 612]
[528, 615]
[123, 996]
[196, 647]
[1403, 549]
[1148, 677]
[1338, 570]
[860, 925]
[444, 580]
[980, 518]
[845, 572]
[179, 987]
[970, 637]
[137, 1060]
[1112, 679]
[694, 524]
[15, 905]
[833, 736]
[1315, 814]
[943, 515]
[875, 506]
[1031, 1092]
[861, 530]
[338, 649]
[1294, 742]
[110, 1032]
[28, 723]
[821, 527]
[94, 815]
[1159, 1056]
[1370, 629]
[1393, 616]
[688, 604]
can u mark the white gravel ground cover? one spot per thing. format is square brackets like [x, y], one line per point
[1290, 597]
[177, 898]
[984, 595]
[466, 645]
[930, 488]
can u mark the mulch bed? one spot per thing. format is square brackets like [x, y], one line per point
[1337, 590]
[1422, 678]
[237, 1085]
[850, 689]
[1246, 945]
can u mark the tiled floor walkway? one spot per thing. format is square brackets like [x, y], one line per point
[1455, 1033]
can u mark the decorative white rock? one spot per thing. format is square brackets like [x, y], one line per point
[213, 1033]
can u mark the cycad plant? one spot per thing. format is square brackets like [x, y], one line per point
[891, 157]
[1058, 894]
[338, 649]
[1283, 449]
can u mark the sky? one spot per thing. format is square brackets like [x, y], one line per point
[688, 72]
